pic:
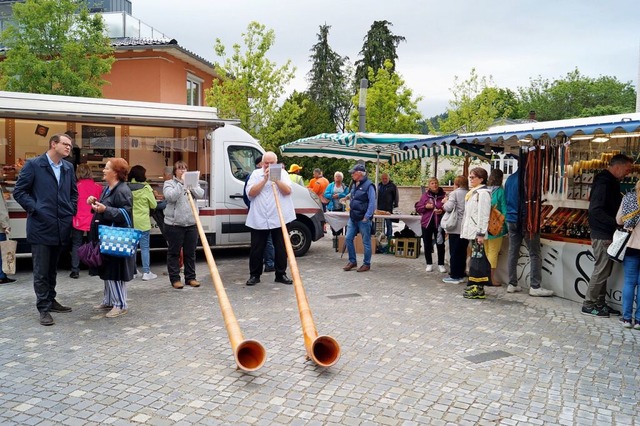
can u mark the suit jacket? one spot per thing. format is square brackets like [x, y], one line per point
[50, 206]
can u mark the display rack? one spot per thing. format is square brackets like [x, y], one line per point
[564, 214]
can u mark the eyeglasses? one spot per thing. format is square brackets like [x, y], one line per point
[68, 145]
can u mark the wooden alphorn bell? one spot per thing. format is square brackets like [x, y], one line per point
[323, 350]
[249, 354]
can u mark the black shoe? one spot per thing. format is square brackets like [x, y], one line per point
[7, 280]
[253, 280]
[269, 269]
[74, 275]
[608, 309]
[46, 318]
[58, 308]
[595, 312]
[284, 279]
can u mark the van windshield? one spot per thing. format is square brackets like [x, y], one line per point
[242, 160]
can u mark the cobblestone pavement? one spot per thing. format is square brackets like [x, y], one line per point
[413, 352]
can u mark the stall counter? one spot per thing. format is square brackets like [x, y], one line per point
[566, 269]
[338, 220]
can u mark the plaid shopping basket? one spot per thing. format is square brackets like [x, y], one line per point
[119, 242]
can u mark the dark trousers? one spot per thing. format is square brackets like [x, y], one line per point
[458, 256]
[429, 236]
[45, 269]
[269, 253]
[185, 238]
[258, 243]
[77, 238]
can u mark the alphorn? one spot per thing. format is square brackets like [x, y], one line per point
[249, 354]
[323, 350]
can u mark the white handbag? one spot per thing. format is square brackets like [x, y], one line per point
[618, 246]
[8, 250]
[449, 220]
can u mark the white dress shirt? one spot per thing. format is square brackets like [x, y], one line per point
[263, 213]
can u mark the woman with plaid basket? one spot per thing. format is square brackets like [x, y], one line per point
[116, 201]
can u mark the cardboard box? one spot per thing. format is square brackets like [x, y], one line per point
[357, 242]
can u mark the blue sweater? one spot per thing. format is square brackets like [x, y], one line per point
[512, 194]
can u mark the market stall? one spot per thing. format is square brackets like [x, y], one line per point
[559, 161]
[338, 220]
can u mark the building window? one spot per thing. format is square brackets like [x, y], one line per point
[194, 89]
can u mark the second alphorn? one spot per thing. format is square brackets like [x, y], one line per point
[323, 350]
[249, 354]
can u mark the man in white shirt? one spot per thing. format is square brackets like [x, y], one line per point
[263, 218]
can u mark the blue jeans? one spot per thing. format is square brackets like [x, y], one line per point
[365, 230]
[388, 226]
[631, 287]
[516, 236]
[144, 251]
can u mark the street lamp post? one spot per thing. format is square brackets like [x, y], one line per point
[362, 105]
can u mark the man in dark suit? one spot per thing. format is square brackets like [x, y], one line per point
[46, 189]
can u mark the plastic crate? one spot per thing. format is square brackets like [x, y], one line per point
[407, 247]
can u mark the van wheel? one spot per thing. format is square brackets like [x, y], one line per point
[300, 238]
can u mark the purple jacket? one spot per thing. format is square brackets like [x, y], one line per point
[427, 214]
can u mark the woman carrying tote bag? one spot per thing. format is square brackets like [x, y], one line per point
[474, 229]
[115, 271]
[493, 242]
[454, 203]
[629, 216]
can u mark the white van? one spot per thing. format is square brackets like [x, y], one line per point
[152, 135]
[233, 157]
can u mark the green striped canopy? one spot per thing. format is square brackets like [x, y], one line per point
[361, 146]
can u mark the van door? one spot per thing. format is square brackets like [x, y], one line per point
[239, 163]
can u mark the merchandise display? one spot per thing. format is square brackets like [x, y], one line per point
[565, 171]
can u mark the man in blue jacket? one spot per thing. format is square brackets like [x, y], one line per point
[46, 189]
[361, 209]
[515, 217]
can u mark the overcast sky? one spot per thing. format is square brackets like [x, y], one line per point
[510, 40]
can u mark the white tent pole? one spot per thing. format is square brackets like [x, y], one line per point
[377, 170]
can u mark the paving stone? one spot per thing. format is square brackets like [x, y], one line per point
[405, 345]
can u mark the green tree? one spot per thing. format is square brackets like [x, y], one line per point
[380, 45]
[448, 177]
[55, 47]
[391, 107]
[250, 84]
[329, 83]
[576, 95]
[404, 173]
[475, 106]
[312, 120]
[298, 117]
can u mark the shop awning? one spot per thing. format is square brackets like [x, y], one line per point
[363, 146]
[442, 145]
[621, 123]
[427, 147]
